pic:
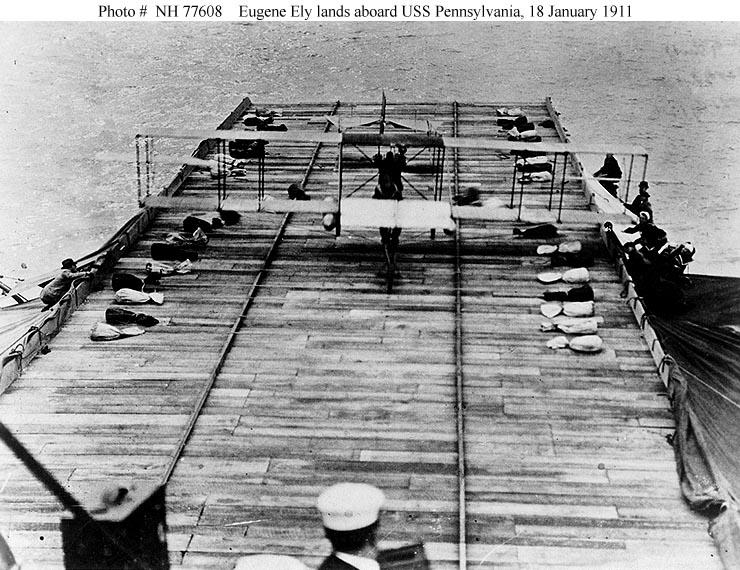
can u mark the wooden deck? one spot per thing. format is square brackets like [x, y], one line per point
[331, 379]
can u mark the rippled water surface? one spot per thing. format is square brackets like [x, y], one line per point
[69, 90]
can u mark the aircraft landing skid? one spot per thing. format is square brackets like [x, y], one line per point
[391, 260]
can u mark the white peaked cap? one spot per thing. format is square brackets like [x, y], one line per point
[269, 562]
[350, 506]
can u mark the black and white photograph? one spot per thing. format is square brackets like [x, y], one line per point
[371, 286]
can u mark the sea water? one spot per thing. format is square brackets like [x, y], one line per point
[71, 90]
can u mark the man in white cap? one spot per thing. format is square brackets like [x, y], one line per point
[269, 562]
[350, 512]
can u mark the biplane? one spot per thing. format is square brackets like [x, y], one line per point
[361, 195]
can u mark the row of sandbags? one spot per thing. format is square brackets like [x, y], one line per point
[533, 166]
[188, 245]
[569, 311]
[119, 322]
[178, 250]
[520, 128]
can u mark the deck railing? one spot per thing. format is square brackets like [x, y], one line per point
[30, 343]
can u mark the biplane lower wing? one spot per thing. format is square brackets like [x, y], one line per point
[269, 205]
[186, 203]
[410, 214]
[361, 212]
[417, 138]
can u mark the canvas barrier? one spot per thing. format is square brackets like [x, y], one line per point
[697, 349]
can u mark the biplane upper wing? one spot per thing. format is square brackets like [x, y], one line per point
[390, 138]
[245, 135]
[483, 143]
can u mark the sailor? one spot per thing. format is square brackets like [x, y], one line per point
[58, 286]
[611, 171]
[269, 562]
[651, 237]
[350, 512]
[641, 203]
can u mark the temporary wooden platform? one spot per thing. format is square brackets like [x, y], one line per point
[329, 379]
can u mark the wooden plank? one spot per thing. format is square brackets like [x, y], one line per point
[331, 378]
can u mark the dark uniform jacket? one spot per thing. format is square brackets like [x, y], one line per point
[333, 563]
[640, 204]
[651, 236]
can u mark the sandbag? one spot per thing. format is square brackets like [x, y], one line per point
[529, 136]
[541, 231]
[586, 343]
[159, 269]
[329, 221]
[529, 177]
[546, 249]
[104, 331]
[198, 238]
[230, 217]
[165, 250]
[535, 167]
[581, 293]
[537, 159]
[152, 282]
[578, 308]
[572, 325]
[557, 342]
[549, 276]
[570, 247]
[577, 259]
[264, 127]
[471, 197]
[118, 316]
[246, 149]
[132, 297]
[126, 281]
[192, 223]
[528, 153]
[578, 275]
[217, 172]
[256, 121]
[295, 192]
[551, 310]
[521, 122]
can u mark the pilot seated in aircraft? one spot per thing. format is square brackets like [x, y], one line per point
[390, 187]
